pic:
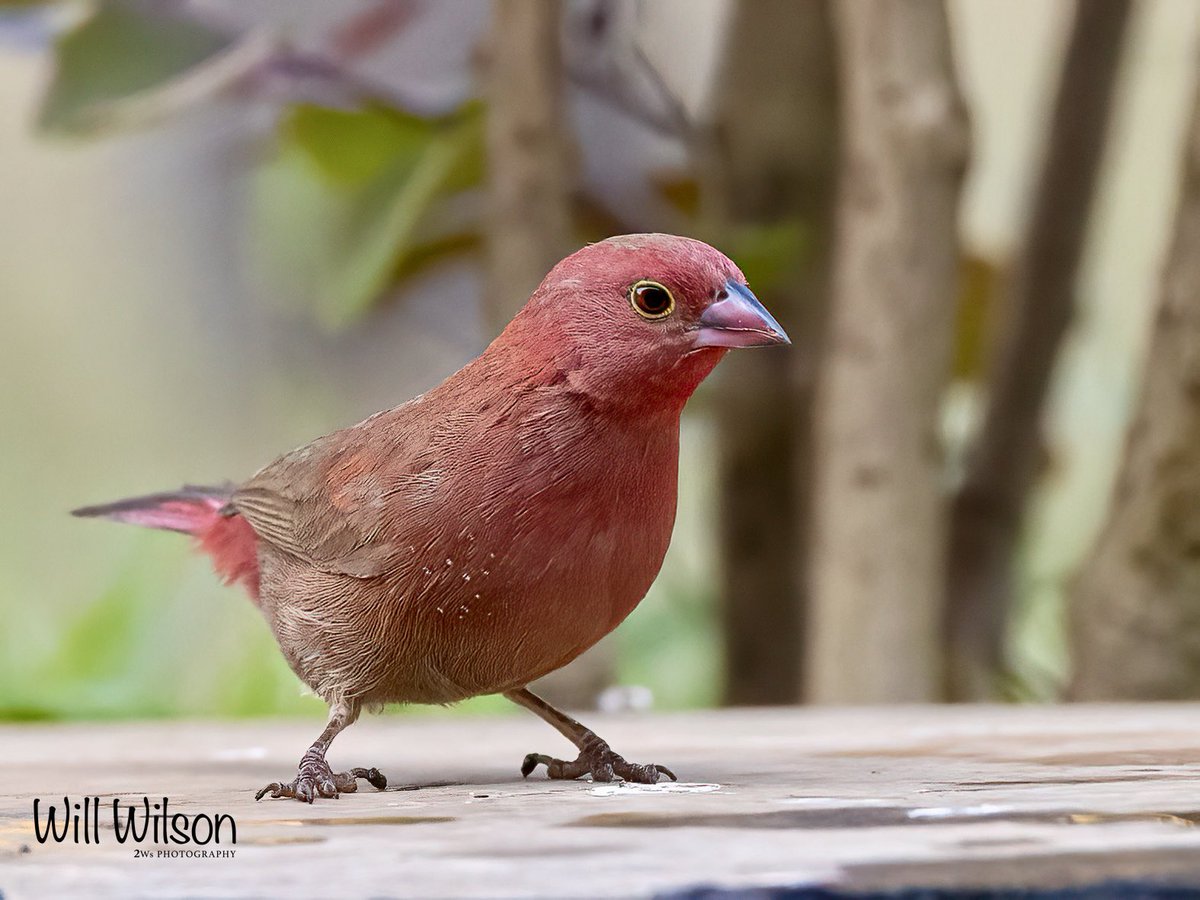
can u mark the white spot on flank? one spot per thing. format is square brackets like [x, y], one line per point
[486, 572]
[477, 597]
[466, 577]
[439, 609]
[449, 562]
[425, 569]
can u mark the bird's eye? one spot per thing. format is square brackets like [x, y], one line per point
[651, 300]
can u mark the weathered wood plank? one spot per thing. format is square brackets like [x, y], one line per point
[1018, 796]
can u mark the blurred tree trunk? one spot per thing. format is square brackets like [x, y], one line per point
[528, 154]
[770, 185]
[1135, 608]
[878, 563]
[988, 509]
[529, 158]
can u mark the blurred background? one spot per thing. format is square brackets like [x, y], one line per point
[228, 226]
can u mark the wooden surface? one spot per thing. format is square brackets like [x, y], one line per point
[860, 798]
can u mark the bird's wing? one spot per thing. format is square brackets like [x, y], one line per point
[326, 503]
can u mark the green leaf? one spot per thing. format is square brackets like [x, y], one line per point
[354, 200]
[387, 226]
[351, 147]
[120, 51]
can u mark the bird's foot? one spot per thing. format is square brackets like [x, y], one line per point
[598, 760]
[315, 779]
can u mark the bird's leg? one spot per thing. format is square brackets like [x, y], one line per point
[314, 778]
[595, 758]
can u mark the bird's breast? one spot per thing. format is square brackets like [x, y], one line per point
[538, 552]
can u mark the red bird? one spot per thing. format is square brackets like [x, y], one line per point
[489, 531]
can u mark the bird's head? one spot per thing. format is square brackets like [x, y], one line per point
[643, 318]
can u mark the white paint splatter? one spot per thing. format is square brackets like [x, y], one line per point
[835, 802]
[628, 788]
[952, 812]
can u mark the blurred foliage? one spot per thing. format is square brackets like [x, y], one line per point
[101, 665]
[770, 255]
[672, 642]
[352, 201]
[121, 51]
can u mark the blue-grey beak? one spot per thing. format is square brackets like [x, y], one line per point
[737, 319]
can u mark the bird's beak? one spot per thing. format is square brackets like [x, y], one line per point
[737, 319]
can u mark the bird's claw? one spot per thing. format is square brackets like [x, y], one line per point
[600, 762]
[315, 779]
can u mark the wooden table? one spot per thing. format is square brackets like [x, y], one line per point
[861, 798]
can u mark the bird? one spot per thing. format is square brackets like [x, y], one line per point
[487, 532]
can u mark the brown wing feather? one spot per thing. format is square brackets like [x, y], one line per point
[325, 502]
[345, 502]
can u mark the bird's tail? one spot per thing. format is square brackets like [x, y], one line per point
[190, 510]
[200, 512]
